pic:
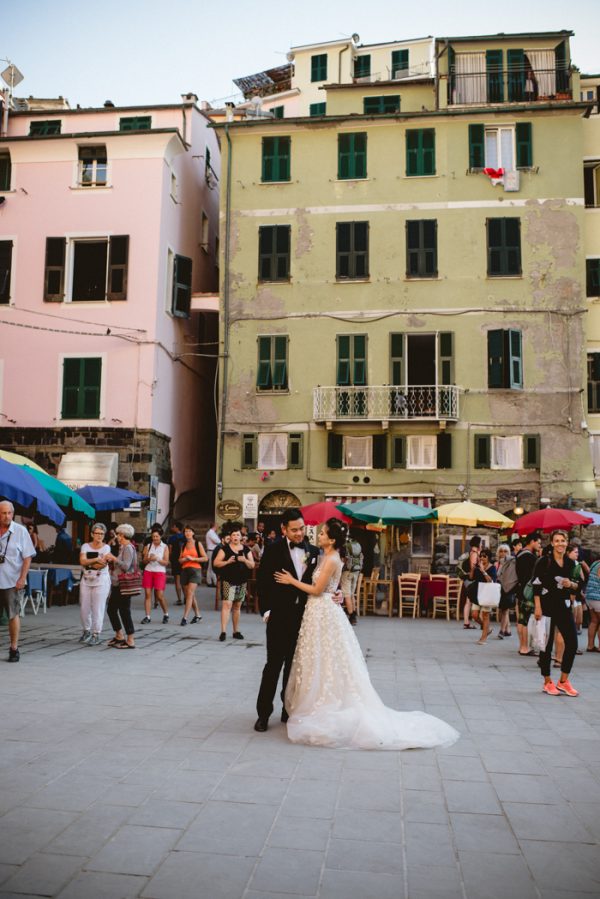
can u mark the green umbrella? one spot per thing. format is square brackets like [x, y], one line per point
[387, 511]
[62, 495]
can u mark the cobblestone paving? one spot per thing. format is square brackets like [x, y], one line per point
[138, 774]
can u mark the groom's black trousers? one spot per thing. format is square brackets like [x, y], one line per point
[282, 636]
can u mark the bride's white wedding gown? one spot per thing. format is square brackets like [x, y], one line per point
[329, 697]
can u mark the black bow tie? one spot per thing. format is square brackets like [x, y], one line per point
[295, 545]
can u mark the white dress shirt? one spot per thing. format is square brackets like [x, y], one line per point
[15, 545]
[297, 554]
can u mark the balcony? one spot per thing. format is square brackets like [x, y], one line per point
[495, 86]
[427, 402]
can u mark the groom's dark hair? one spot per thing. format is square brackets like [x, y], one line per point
[291, 515]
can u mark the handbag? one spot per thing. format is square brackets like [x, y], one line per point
[488, 595]
[130, 582]
[538, 632]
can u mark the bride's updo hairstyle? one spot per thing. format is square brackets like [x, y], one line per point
[337, 531]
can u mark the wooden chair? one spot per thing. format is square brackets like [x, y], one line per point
[441, 603]
[369, 593]
[451, 601]
[408, 592]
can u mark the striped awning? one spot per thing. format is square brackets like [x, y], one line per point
[419, 499]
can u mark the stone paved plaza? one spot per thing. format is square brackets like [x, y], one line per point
[139, 774]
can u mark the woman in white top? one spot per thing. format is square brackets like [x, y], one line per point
[155, 560]
[95, 584]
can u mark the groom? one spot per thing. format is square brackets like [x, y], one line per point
[282, 607]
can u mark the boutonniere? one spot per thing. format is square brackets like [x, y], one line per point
[305, 558]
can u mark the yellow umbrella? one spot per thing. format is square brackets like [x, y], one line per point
[16, 459]
[471, 515]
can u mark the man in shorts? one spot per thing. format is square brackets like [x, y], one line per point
[16, 553]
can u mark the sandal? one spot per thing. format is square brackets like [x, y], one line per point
[125, 645]
[469, 627]
[115, 642]
[592, 649]
[530, 653]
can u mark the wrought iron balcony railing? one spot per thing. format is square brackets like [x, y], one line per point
[508, 86]
[412, 402]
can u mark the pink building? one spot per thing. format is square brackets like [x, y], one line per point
[108, 295]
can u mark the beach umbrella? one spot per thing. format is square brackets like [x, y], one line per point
[471, 515]
[593, 515]
[109, 499]
[18, 459]
[317, 513]
[62, 495]
[386, 511]
[27, 494]
[550, 519]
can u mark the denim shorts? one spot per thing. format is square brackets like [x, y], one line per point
[10, 601]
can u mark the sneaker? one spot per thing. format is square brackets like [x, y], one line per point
[222, 636]
[352, 619]
[85, 637]
[196, 618]
[183, 622]
[566, 688]
[13, 655]
[145, 620]
[94, 640]
[237, 635]
[550, 689]
[165, 619]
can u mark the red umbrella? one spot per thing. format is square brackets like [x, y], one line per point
[550, 520]
[318, 513]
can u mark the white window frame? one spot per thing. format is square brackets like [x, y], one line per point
[500, 162]
[268, 464]
[103, 379]
[494, 448]
[420, 443]
[347, 453]
[72, 239]
[456, 546]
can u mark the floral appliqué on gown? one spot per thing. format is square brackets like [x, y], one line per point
[329, 697]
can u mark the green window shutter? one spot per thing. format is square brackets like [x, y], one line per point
[81, 388]
[295, 451]
[92, 373]
[446, 357]
[39, 128]
[444, 450]
[182, 287]
[524, 145]
[412, 152]
[360, 360]
[420, 151]
[352, 250]
[504, 246]
[495, 340]
[451, 75]
[274, 252]
[515, 352]
[396, 359]
[562, 69]
[249, 450]
[278, 112]
[318, 67]
[592, 277]
[280, 377]
[71, 381]
[135, 123]
[362, 66]
[343, 361]
[344, 155]
[117, 267]
[476, 147]
[317, 109]
[335, 450]
[352, 156]
[399, 61]
[428, 144]
[494, 76]
[593, 361]
[266, 247]
[515, 61]
[399, 452]
[5, 170]
[379, 450]
[264, 379]
[276, 158]
[531, 451]
[54, 274]
[380, 105]
[482, 450]
[6, 247]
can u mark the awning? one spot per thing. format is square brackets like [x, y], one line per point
[80, 469]
[419, 499]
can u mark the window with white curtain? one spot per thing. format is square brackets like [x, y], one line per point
[358, 452]
[543, 64]
[272, 451]
[471, 81]
[422, 451]
[500, 148]
[506, 452]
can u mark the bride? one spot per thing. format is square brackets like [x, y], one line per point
[329, 697]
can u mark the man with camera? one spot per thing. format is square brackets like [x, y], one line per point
[16, 553]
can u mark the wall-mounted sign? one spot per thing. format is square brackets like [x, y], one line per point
[250, 505]
[229, 509]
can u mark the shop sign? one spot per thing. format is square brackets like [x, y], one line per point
[229, 509]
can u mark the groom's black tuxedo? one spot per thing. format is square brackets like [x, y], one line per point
[286, 606]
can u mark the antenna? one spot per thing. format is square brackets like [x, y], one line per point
[356, 37]
[10, 76]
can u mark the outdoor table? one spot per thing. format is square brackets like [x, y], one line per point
[60, 575]
[428, 589]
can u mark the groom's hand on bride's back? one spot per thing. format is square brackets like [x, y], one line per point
[338, 597]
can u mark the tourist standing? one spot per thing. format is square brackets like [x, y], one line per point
[16, 553]
[526, 562]
[94, 586]
[155, 559]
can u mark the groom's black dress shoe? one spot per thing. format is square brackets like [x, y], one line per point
[284, 716]
[261, 725]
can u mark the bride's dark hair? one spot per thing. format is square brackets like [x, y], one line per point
[338, 531]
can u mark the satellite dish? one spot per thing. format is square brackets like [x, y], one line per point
[12, 76]
[290, 56]
[356, 38]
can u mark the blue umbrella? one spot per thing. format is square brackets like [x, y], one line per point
[387, 511]
[109, 499]
[22, 489]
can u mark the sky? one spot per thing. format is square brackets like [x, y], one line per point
[151, 51]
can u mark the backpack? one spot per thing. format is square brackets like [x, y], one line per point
[528, 588]
[463, 569]
[354, 556]
[508, 575]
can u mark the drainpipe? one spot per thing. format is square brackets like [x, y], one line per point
[225, 315]
[343, 50]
